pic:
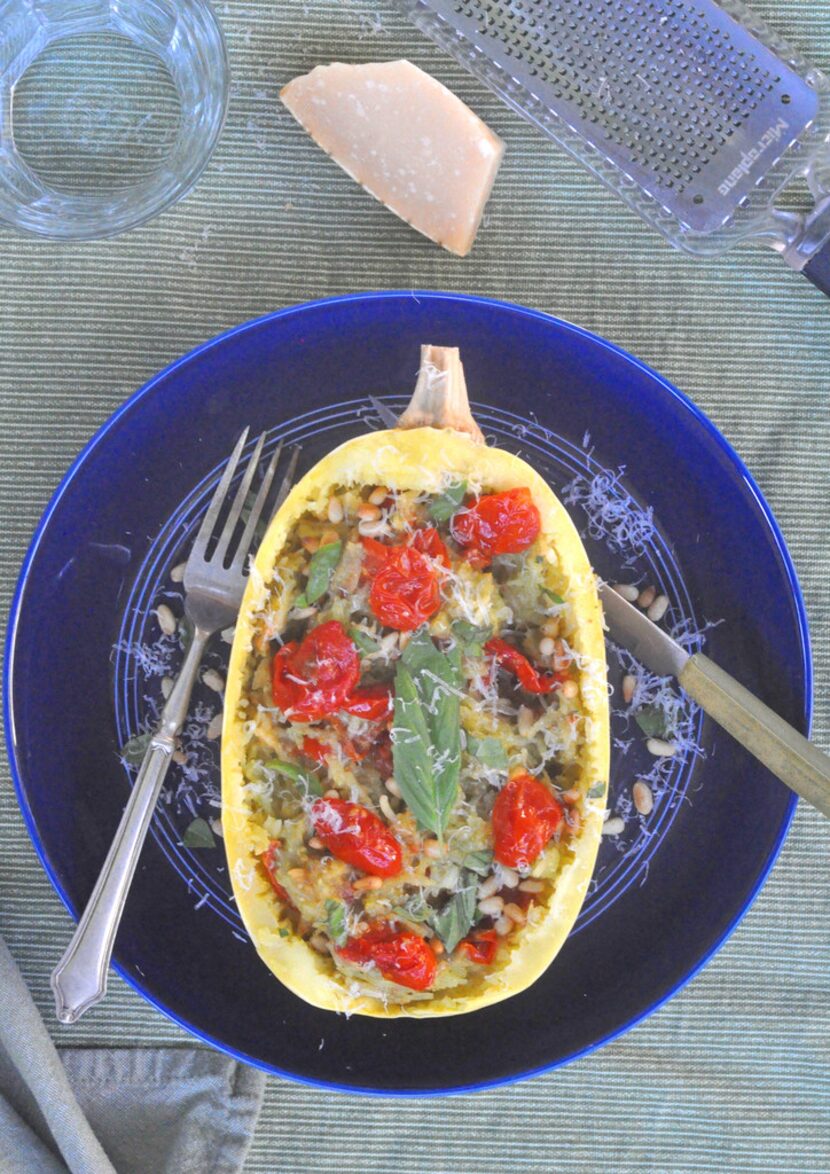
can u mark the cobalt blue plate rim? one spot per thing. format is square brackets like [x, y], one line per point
[673, 392]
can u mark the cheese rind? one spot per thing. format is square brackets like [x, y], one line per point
[406, 139]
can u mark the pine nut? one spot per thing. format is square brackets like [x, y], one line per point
[311, 544]
[503, 926]
[547, 646]
[613, 826]
[551, 626]
[332, 794]
[376, 528]
[627, 591]
[318, 943]
[433, 849]
[378, 496]
[488, 887]
[166, 687]
[660, 749]
[216, 827]
[214, 727]
[179, 757]
[515, 913]
[166, 619]
[328, 537]
[298, 874]
[177, 574]
[571, 796]
[213, 680]
[509, 878]
[525, 721]
[562, 658]
[393, 788]
[573, 819]
[629, 684]
[367, 884]
[335, 510]
[646, 597]
[642, 796]
[659, 608]
[386, 808]
[491, 906]
[303, 613]
[368, 512]
[437, 947]
[570, 690]
[316, 843]
[531, 886]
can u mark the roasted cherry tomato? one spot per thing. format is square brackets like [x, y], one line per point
[269, 863]
[400, 955]
[374, 555]
[498, 523]
[315, 677]
[316, 751]
[372, 702]
[517, 663]
[481, 947]
[525, 816]
[380, 755]
[429, 542]
[356, 835]
[404, 589]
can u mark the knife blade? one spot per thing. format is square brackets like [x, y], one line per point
[775, 743]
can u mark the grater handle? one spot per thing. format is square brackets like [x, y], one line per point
[817, 269]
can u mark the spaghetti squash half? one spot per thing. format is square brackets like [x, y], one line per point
[415, 746]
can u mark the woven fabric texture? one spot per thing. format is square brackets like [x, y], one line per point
[733, 1072]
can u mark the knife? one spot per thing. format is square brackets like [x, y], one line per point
[775, 743]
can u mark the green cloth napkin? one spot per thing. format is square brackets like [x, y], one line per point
[732, 1074]
[115, 1110]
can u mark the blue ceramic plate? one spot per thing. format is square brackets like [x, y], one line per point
[661, 498]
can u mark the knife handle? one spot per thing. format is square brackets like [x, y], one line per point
[788, 754]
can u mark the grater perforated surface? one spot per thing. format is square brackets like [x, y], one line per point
[679, 96]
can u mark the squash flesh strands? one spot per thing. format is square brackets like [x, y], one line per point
[436, 441]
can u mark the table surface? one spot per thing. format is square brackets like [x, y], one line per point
[734, 1070]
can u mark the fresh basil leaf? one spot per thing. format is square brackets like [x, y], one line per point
[454, 920]
[336, 921]
[597, 791]
[442, 508]
[320, 571]
[488, 751]
[300, 601]
[135, 748]
[416, 909]
[364, 641]
[426, 734]
[290, 769]
[552, 595]
[470, 636]
[479, 862]
[198, 835]
[652, 721]
[285, 768]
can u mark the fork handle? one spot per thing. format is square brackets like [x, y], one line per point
[79, 980]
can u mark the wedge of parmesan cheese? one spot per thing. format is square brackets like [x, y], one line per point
[406, 139]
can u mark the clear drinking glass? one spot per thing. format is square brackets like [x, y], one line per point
[109, 110]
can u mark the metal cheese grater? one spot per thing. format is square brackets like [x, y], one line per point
[696, 113]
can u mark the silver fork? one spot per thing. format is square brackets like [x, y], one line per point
[213, 594]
